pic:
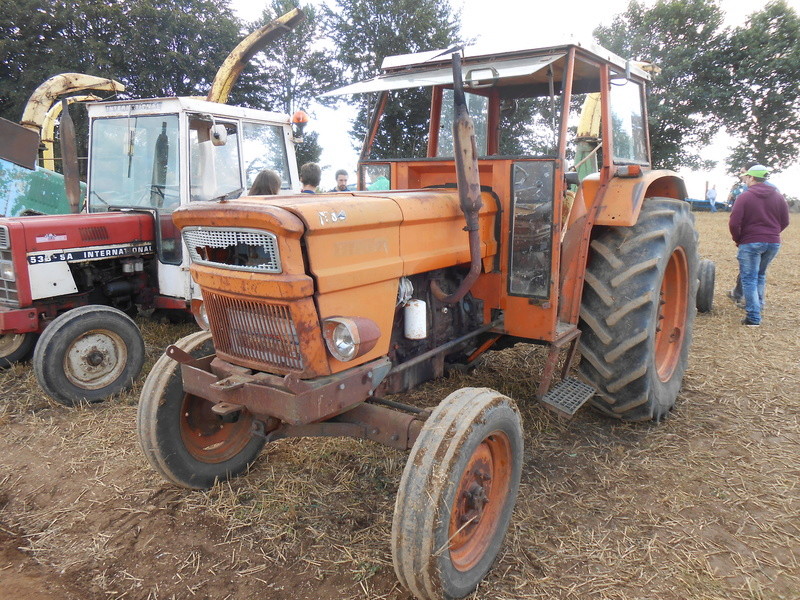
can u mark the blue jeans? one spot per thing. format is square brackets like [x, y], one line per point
[753, 261]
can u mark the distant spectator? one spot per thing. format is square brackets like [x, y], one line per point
[310, 175]
[341, 181]
[267, 183]
[711, 196]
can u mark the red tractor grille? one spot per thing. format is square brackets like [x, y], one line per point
[255, 331]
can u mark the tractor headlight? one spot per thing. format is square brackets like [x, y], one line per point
[349, 337]
[7, 270]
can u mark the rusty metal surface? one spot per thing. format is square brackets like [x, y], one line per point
[20, 145]
[66, 83]
[321, 399]
[366, 421]
[48, 127]
[69, 159]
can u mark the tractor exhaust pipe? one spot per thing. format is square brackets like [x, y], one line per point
[69, 158]
[469, 184]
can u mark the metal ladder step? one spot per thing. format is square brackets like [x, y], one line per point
[568, 396]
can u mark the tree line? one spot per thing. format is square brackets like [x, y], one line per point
[745, 79]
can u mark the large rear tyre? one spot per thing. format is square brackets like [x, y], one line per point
[706, 274]
[457, 494]
[15, 347]
[182, 438]
[638, 311]
[88, 354]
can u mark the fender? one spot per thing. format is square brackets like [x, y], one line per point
[621, 202]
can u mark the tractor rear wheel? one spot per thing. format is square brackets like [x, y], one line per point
[457, 493]
[88, 354]
[182, 438]
[638, 310]
[15, 347]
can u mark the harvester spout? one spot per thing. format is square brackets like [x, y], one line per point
[469, 185]
[237, 60]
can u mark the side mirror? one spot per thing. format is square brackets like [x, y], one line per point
[219, 135]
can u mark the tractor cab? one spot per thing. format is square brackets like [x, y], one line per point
[157, 154]
[556, 128]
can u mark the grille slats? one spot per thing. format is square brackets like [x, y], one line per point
[254, 330]
[8, 289]
[234, 248]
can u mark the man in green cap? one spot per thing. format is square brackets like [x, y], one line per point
[757, 219]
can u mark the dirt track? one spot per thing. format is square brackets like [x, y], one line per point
[704, 505]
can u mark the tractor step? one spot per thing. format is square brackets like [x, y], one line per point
[568, 396]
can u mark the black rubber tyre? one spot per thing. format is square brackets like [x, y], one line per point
[638, 311]
[88, 354]
[15, 347]
[706, 274]
[457, 494]
[181, 437]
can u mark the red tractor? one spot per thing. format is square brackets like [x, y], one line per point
[72, 281]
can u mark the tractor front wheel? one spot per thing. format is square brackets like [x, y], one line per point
[638, 310]
[88, 354]
[182, 438]
[15, 347]
[457, 493]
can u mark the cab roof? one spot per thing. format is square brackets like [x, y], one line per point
[487, 65]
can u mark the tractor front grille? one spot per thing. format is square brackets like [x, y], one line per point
[234, 248]
[8, 289]
[254, 331]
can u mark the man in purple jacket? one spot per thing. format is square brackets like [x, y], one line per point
[757, 219]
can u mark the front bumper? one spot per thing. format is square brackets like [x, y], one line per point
[18, 320]
[288, 399]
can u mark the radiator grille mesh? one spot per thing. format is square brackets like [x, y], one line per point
[254, 330]
[8, 289]
[232, 248]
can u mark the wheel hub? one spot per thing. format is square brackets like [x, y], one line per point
[10, 342]
[479, 500]
[95, 359]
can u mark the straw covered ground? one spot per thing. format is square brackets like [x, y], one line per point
[704, 505]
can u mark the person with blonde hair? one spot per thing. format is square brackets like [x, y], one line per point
[266, 183]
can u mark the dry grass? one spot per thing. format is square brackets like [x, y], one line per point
[703, 506]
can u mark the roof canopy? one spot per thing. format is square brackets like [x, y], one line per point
[481, 67]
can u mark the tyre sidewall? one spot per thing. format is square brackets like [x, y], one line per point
[61, 334]
[455, 583]
[23, 352]
[181, 466]
[665, 392]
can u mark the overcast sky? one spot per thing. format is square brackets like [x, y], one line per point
[525, 19]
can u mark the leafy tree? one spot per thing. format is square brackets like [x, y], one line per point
[367, 31]
[154, 47]
[683, 38]
[174, 47]
[42, 38]
[763, 60]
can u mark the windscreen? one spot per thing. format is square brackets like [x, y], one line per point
[134, 163]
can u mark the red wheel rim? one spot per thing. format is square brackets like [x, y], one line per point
[673, 308]
[479, 501]
[206, 436]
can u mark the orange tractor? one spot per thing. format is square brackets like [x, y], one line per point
[318, 306]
